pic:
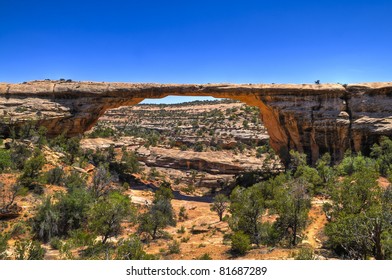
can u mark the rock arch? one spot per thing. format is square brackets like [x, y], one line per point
[313, 119]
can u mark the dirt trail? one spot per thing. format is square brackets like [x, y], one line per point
[318, 220]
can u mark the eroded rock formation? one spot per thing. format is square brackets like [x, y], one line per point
[313, 119]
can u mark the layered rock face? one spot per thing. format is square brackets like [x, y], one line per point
[313, 119]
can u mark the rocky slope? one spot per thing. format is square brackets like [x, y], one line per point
[199, 144]
[309, 118]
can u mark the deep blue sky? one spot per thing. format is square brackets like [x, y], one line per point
[196, 41]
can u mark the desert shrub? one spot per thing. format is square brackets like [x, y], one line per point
[261, 150]
[185, 239]
[245, 124]
[183, 147]
[41, 133]
[296, 160]
[55, 243]
[354, 163]
[182, 215]
[4, 246]
[75, 181]
[125, 186]
[101, 131]
[18, 229]
[69, 212]
[174, 247]
[189, 189]
[5, 159]
[29, 250]
[65, 250]
[72, 209]
[205, 256]
[324, 169]
[55, 176]
[45, 222]
[305, 254]
[32, 170]
[27, 130]
[130, 162]
[152, 139]
[98, 251]
[181, 230]
[81, 237]
[67, 145]
[131, 249]
[199, 147]
[154, 173]
[311, 176]
[19, 155]
[240, 243]
[383, 155]
[73, 149]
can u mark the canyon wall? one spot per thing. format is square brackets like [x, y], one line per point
[313, 119]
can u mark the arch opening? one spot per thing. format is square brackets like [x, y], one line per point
[204, 143]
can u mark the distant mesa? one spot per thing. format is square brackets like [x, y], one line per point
[311, 118]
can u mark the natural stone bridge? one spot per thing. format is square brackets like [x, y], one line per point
[313, 119]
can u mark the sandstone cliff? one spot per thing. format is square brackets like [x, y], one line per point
[309, 118]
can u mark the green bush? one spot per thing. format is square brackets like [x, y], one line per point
[240, 243]
[45, 222]
[383, 155]
[72, 209]
[75, 181]
[32, 170]
[305, 254]
[29, 250]
[18, 229]
[70, 212]
[102, 132]
[181, 230]
[131, 249]
[182, 215]
[247, 206]
[55, 243]
[130, 162]
[55, 176]
[19, 155]
[360, 214]
[355, 163]
[5, 159]
[205, 256]
[183, 147]
[174, 247]
[4, 246]
[80, 237]
[199, 147]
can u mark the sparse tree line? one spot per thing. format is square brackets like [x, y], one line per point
[203, 125]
